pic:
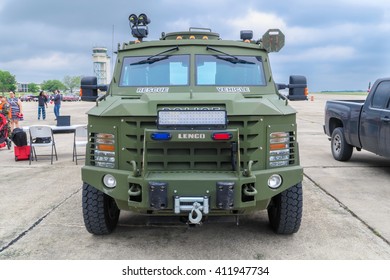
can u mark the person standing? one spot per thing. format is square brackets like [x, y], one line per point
[5, 109]
[42, 103]
[57, 103]
[16, 110]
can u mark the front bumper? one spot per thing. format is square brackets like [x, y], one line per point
[226, 192]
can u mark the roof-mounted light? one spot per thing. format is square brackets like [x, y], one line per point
[139, 26]
[133, 19]
[143, 20]
[246, 35]
[187, 119]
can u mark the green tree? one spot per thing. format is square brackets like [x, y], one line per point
[72, 82]
[7, 81]
[33, 87]
[52, 85]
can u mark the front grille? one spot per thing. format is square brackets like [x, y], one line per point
[188, 156]
[170, 156]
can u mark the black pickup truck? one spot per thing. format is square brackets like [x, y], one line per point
[363, 124]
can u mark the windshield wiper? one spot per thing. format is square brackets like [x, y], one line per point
[230, 58]
[150, 60]
[154, 58]
[234, 60]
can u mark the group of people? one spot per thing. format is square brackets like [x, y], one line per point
[42, 104]
[12, 107]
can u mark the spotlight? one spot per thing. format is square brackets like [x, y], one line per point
[143, 19]
[139, 26]
[246, 35]
[133, 19]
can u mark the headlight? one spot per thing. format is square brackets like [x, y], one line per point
[104, 153]
[275, 181]
[109, 181]
[279, 149]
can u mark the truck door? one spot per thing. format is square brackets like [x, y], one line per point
[384, 136]
[373, 119]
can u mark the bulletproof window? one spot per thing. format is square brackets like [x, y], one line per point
[163, 70]
[224, 70]
[381, 96]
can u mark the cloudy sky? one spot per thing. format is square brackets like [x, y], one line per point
[337, 44]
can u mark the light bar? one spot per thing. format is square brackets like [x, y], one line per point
[189, 119]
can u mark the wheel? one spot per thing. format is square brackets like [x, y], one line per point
[285, 210]
[341, 150]
[100, 211]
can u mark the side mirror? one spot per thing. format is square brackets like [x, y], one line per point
[297, 88]
[89, 88]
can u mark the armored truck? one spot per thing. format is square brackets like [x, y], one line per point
[192, 126]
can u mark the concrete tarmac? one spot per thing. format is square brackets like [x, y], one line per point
[346, 208]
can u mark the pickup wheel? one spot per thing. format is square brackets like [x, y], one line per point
[100, 211]
[285, 210]
[341, 150]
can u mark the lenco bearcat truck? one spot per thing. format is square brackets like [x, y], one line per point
[192, 126]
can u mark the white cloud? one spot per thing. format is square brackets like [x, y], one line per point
[179, 24]
[327, 53]
[259, 22]
[365, 3]
[54, 65]
[323, 57]
[49, 62]
[3, 4]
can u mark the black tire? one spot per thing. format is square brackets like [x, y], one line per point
[100, 211]
[285, 210]
[341, 150]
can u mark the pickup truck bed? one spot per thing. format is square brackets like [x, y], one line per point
[346, 114]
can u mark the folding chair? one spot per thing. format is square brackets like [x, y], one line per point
[41, 136]
[80, 140]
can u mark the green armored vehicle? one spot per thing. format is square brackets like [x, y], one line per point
[192, 126]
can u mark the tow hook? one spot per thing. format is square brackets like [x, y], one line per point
[195, 215]
[136, 171]
[249, 190]
[196, 206]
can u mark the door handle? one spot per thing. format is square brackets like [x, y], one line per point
[385, 119]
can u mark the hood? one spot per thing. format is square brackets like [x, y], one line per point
[149, 103]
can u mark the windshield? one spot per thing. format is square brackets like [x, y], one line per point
[225, 70]
[162, 70]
